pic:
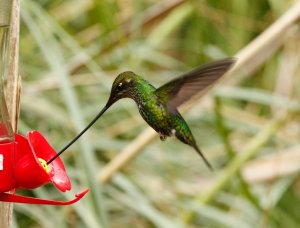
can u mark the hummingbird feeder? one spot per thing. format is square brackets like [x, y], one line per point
[23, 165]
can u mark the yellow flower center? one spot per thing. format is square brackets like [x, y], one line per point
[44, 164]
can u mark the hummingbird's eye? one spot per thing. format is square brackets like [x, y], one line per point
[119, 86]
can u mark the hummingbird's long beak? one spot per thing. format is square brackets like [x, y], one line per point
[108, 104]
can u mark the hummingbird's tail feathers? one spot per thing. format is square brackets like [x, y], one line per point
[203, 157]
[191, 141]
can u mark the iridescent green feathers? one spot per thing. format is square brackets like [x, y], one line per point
[158, 107]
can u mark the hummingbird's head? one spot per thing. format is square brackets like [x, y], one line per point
[123, 86]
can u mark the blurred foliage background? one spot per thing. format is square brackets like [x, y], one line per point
[70, 53]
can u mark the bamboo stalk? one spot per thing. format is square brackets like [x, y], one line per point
[12, 94]
[249, 59]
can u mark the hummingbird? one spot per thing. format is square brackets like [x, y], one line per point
[159, 106]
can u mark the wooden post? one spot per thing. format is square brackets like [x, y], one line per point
[12, 92]
[14, 79]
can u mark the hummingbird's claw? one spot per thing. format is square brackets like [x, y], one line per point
[162, 137]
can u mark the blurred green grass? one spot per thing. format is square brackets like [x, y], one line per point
[70, 53]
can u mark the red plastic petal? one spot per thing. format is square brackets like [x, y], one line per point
[28, 171]
[42, 149]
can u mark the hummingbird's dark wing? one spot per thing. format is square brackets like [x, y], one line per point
[181, 89]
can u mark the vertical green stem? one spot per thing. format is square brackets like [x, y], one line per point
[224, 134]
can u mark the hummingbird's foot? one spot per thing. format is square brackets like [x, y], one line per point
[162, 137]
